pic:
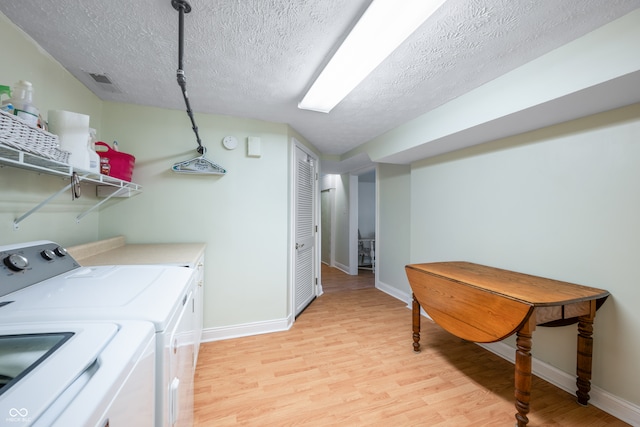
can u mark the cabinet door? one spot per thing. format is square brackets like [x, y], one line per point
[180, 411]
[198, 308]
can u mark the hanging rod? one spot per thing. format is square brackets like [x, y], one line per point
[184, 7]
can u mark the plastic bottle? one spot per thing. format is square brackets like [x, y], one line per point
[5, 99]
[94, 158]
[22, 102]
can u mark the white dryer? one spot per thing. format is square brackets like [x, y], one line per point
[77, 374]
[42, 282]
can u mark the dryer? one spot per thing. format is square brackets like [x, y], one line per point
[84, 374]
[42, 282]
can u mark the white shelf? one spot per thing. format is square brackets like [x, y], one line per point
[20, 159]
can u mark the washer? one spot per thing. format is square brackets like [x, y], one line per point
[42, 282]
[88, 374]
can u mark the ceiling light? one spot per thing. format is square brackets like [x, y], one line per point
[381, 29]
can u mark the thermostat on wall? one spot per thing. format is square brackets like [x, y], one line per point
[230, 142]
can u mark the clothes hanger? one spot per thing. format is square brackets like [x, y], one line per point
[198, 165]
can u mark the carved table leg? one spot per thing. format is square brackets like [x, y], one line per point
[415, 312]
[523, 370]
[585, 352]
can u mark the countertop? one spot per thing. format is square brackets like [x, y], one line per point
[116, 251]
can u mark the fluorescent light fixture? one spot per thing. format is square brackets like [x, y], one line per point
[381, 29]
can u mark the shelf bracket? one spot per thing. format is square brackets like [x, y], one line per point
[40, 205]
[85, 213]
[13, 157]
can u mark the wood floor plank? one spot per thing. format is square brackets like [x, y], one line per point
[348, 361]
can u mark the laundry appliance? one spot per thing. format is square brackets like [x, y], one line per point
[42, 284]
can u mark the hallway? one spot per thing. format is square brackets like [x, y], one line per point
[334, 280]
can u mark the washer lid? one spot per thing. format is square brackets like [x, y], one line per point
[34, 391]
[146, 292]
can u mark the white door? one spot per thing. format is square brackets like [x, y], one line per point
[305, 229]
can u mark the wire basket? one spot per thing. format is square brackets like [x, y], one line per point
[15, 133]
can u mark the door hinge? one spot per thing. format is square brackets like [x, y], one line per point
[316, 228]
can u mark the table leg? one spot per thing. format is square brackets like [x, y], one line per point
[523, 370]
[415, 312]
[584, 357]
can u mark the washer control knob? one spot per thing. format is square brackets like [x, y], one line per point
[16, 262]
[60, 251]
[48, 254]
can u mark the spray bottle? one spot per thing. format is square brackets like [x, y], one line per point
[22, 101]
[5, 99]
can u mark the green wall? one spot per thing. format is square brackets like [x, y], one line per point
[54, 88]
[559, 202]
[241, 216]
[394, 228]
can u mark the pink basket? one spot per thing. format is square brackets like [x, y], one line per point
[120, 165]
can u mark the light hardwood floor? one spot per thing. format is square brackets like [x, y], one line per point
[348, 361]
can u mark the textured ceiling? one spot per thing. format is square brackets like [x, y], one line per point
[256, 58]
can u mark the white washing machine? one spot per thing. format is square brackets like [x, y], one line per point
[77, 374]
[41, 282]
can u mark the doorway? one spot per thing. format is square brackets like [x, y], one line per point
[349, 220]
[367, 221]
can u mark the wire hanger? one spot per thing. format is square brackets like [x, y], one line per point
[198, 165]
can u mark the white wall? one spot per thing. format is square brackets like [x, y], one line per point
[367, 209]
[327, 218]
[342, 198]
[560, 202]
[394, 228]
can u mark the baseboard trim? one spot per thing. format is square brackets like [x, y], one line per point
[342, 267]
[602, 399]
[394, 292]
[247, 329]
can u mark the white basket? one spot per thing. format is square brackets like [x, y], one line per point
[16, 133]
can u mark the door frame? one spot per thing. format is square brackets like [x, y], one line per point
[292, 224]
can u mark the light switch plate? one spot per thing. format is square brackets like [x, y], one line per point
[253, 146]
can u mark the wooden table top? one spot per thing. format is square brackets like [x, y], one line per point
[532, 290]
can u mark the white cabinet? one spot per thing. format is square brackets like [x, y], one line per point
[198, 308]
[179, 350]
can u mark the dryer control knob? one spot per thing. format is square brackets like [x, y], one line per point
[16, 262]
[48, 254]
[60, 251]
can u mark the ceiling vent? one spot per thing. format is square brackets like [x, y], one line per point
[104, 82]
